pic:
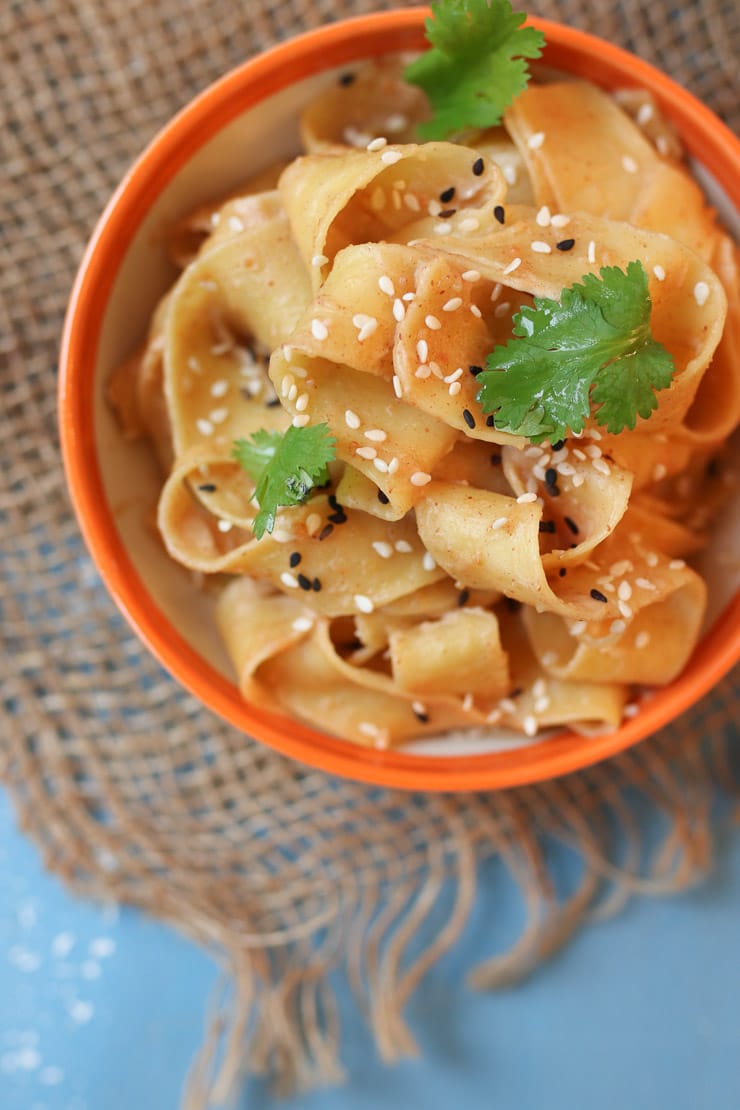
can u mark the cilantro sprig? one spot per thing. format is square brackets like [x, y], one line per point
[593, 347]
[285, 466]
[476, 65]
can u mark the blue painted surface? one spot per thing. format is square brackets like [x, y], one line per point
[103, 1011]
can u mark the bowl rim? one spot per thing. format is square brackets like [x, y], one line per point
[345, 42]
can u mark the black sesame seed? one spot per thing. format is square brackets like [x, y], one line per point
[475, 370]
[499, 213]
[447, 194]
[347, 79]
[478, 166]
[513, 605]
[495, 459]
[446, 213]
[463, 597]
[565, 245]
[516, 692]
[598, 596]
[547, 526]
[491, 421]
[468, 418]
[551, 476]
[316, 584]
[273, 402]
[326, 531]
[333, 501]
[563, 571]
[383, 498]
[558, 445]
[571, 524]
[295, 558]
[207, 487]
[303, 582]
[352, 645]
[340, 517]
[420, 716]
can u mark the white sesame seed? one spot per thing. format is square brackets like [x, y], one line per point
[509, 172]
[530, 726]
[644, 114]
[390, 157]
[381, 465]
[434, 208]
[476, 311]
[453, 377]
[549, 658]
[195, 365]
[403, 547]
[422, 371]
[566, 469]
[513, 265]
[422, 350]
[469, 224]
[659, 273]
[313, 523]
[408, 297]
[377, 198]
[642, 639]
[676, 564]
[534, 142]
[644, 584]
[601, 466]
[592, 252]
[470, 275]
[386, 285]
[366, 452]
[577, 628]
[363, 603]
[624, 591]
[351, 419]
[543, 217]
[624, 609]
[499, 522]
[428, 562]
[631, 710]
[617, 627]
[412, 202]
[502, 309]
[302, 624]
[319, 260]
[659, 472]
[377, 144]
[651, 559]
[293, 392]
[377, 435]
[593, 450]
[393, 465]
[467, 703]
[629, 165]
[217, 416]
[442, 229]
[319, 329]
[526, 498]
[541, 248]
[399, 310]
[452, 304]
[432, 323]
[577, 480]
[225, 525]
[454, 389]
[204, 427]
[397, 387]
[539, 687]
[301, 421]
[420, 478]
[385, 550]
[235, 224]
[560, 220]
[579, 454]
[301, 403]
[219, 388]
[289, 580]
[286, 384]
[701, 293]
[542, 704]
[663, 145]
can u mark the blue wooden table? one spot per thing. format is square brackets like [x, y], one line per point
[102, 1010]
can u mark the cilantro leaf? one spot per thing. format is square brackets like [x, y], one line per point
[285, 466]
[476, 66]
[594, 346]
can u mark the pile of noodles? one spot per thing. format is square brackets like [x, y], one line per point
[451, 575]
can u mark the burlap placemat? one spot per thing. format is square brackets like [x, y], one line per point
[130, 789]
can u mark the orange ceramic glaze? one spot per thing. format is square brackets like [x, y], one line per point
[704, 137]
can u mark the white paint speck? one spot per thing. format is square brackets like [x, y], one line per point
[81, 1012]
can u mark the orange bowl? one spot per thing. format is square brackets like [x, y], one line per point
[236, 127]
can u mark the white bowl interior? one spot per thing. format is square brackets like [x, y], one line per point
[131, 480]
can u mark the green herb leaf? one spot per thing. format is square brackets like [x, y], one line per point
[594, 346]
[476, 66]
[285, 467]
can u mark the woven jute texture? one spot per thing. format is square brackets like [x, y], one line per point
[133, 791]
